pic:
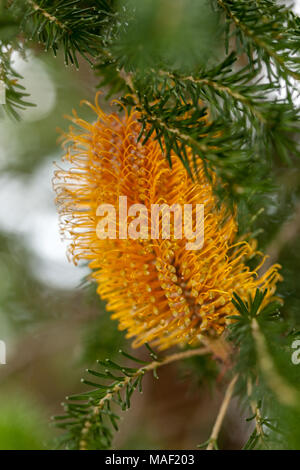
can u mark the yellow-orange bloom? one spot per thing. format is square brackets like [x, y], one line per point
[159, 292]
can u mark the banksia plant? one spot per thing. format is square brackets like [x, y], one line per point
[160, 291]
[183, 202]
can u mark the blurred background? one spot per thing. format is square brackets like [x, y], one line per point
[51, 320]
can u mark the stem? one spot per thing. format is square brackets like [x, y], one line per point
[222, 412]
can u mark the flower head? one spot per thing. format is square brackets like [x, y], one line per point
[159, 291]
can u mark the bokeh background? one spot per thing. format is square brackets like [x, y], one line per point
[53, 323]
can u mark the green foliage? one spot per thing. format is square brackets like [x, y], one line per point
[101, 338]
[163, 37]
[268, 380]
[219, 77]
[16, 96]
[22, 424]
[176, 83]
[92, 416]
[269, 390]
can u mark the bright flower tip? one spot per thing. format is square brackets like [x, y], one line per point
[160, 292]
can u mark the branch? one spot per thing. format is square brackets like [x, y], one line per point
[127, 77]
[48, 16]
[289, 230]
[256, 412]
[222, 412]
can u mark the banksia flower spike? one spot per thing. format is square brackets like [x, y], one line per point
[159, 291]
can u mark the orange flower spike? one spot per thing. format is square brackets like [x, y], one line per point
[159, 291]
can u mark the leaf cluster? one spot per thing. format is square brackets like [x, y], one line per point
[91, 417]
